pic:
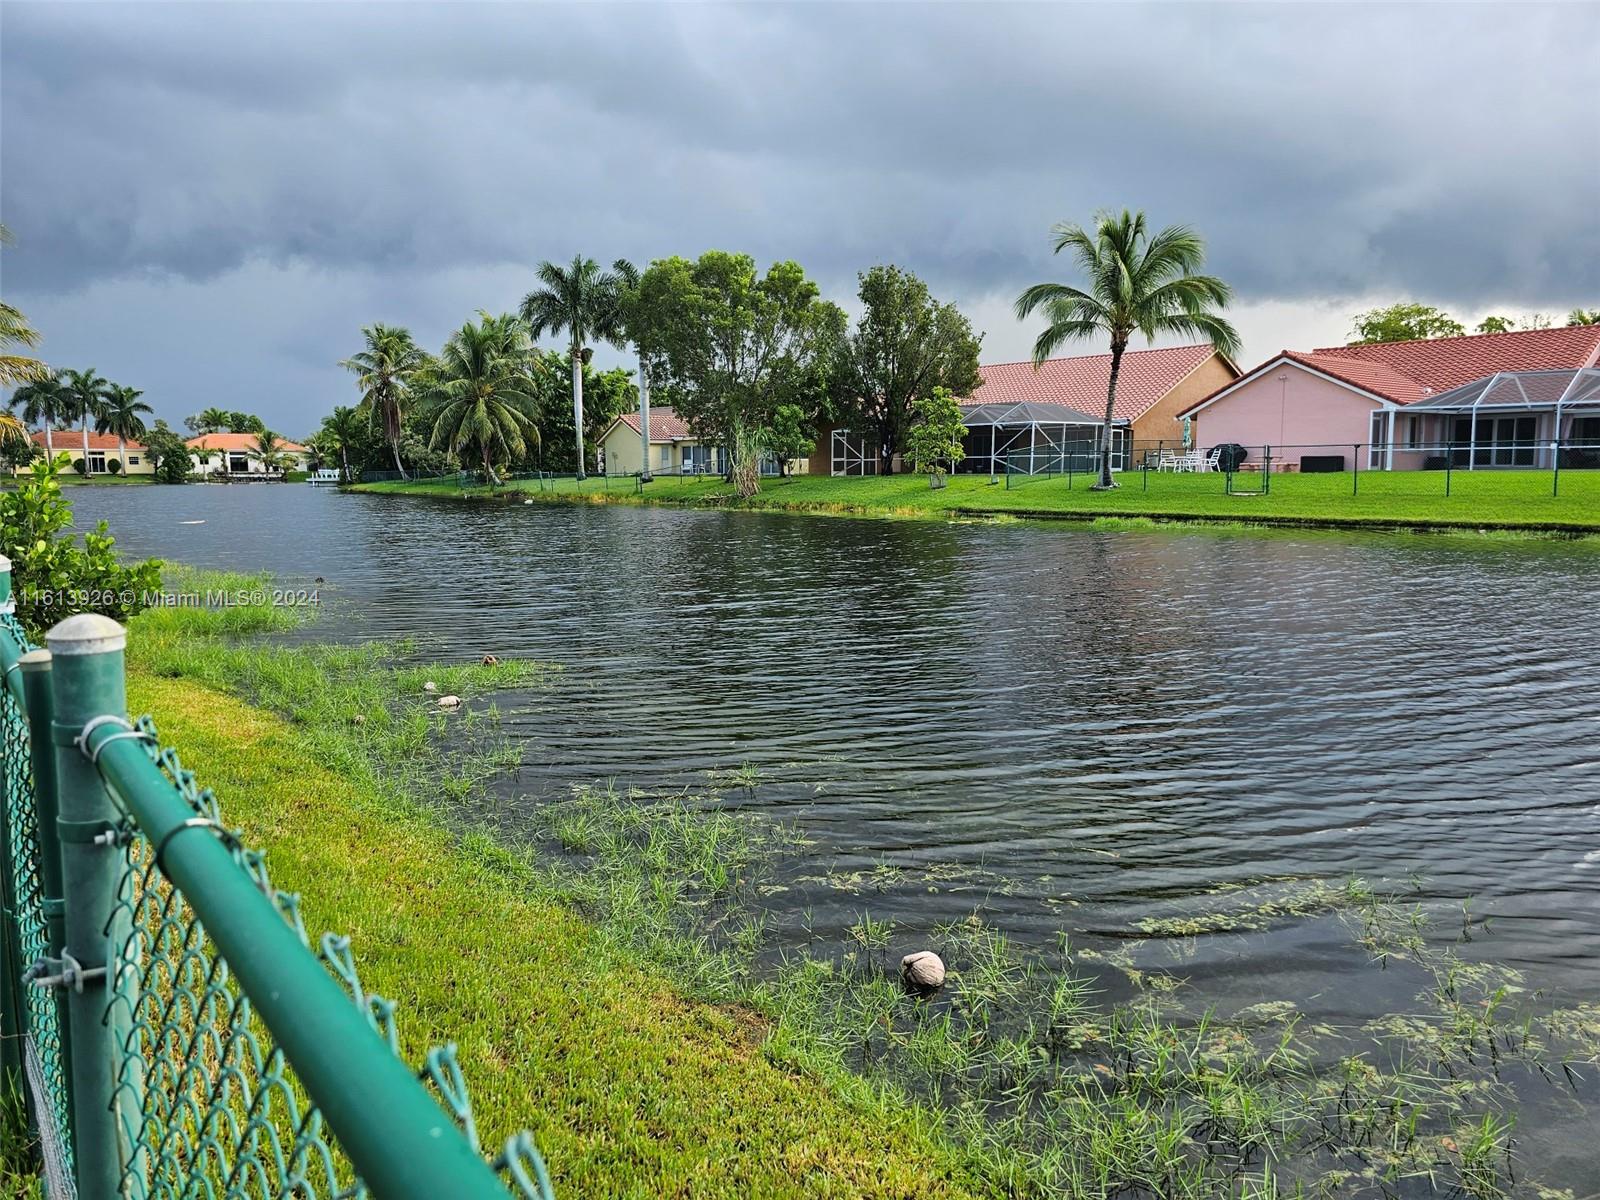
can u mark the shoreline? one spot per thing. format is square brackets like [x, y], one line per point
[934, 505]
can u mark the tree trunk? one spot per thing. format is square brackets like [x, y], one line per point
[49, 442]
[344, 463]
[122, 454]
[644, 423]
[86, 445]
[394, 446]
[577, 401]
[1106, 482]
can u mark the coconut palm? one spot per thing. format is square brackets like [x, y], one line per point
[627, 276]
[1136, 283]
[1584, 316]
[342, 429]
[15, 368]
[481, 395]
[43, 402]
[119, 414]
[211, 420]
[269, 449]
[85, 393]
[586, 302]
[385, 371]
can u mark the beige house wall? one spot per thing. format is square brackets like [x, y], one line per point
[142, 467]
[1162, 423]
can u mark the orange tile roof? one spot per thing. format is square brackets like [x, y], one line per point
[1444, 363]
[665, 425]
[1080, 383]
[236, 441]
[1376, 377]
[72, 439]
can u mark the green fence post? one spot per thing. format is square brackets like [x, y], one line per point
[86, 653]
[1555, 467]
[1355, 473]
[40, 705]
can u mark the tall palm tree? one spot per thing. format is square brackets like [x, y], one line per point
[384, 372]
[43, 402]
[1135, 283]
[585, 301]
[86, 397]
[343, 429]
[627, 276]
[16, 368]
[212, 420]
[481, 393]
[119, 414]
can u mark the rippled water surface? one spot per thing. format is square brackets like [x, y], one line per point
[1069, 728]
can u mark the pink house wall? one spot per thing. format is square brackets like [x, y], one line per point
[1287, 408]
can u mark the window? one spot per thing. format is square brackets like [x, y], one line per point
[665, 457]
[1586, 431]
[1494, 441]
[97, 462]
[1414, 432]
[133, 460]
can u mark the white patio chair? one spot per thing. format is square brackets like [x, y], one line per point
[1167, 460]
[1210, 462]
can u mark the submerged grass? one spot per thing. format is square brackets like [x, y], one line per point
[609, 986]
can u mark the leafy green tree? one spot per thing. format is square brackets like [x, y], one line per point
[790, 434]
[85, 394]
[384, 372]
[606, 396]
[1404, 322]
[905, 345]
[17, 369]
[586, 302]
[119, 414]
[269, 450]
[481, 395]
[734, 345]
[1134, 283]
[937, 435]
[1584, 316]
[43, 402]
[52, 576]
[16, 453]
[168, 454]
[243, 422]
[1495, 325]
[210, 420]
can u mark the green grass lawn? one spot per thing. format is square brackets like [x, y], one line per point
[1480, 499]
[631, 1088]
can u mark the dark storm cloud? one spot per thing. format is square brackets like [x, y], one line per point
[1323, 151]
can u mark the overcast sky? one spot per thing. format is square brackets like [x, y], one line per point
[210, 200]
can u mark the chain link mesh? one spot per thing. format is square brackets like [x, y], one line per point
[43, 1015]
[208, 1106]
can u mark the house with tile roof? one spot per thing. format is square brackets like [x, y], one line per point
[1023, 413]
[1374, 404]
[235, 455]
[104, 449]
[674, 448]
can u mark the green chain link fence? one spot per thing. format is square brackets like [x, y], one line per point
[162, 1014]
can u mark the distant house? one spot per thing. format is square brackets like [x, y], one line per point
[674, 448]
[103, 450]
[227, 454]
[1024, 415]
[1382, 405]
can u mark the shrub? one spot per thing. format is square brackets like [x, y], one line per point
[52, 576]
[114, 466]
[81, 466]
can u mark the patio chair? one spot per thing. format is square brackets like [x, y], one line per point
[1210, 462]
[1167, 461]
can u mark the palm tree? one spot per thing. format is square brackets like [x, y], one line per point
[269, 449]
[385, 371]
[343, 429]
[212, 420]
[481, 394]
[85, 393]
[585, 301]
[1582, 316]
[43, 402]
[1136, 284]
[17, 369]
[120, 415]
[627, 276]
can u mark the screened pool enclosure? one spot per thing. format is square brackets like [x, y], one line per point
[1511, 419]
[1032, 439]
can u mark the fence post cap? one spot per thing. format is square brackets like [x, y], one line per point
[35, 660]
[86, 633]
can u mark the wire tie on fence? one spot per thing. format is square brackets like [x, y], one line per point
[95, 833]
[224, 835]
[126, 730]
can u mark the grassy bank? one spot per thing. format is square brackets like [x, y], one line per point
[1519, 500]
[607, 986]
[630, 1087]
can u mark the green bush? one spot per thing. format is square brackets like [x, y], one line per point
[52, 576]
[114, 466]
[81, 466]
